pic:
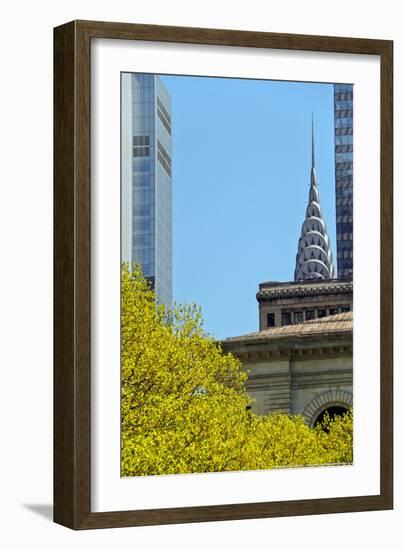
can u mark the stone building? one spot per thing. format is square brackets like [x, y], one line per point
[302, 369]
[293, 303]
[301, 360]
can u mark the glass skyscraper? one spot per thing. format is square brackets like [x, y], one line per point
[343, 139]
[146, 179]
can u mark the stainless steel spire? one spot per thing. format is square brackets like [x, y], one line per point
[314, 257]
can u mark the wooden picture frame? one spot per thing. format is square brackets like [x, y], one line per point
[72, 273]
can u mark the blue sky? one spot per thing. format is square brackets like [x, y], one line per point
[241, 173]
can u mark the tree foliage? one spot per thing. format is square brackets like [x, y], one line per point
[184, 406]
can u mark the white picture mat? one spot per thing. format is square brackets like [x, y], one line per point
[108, 490]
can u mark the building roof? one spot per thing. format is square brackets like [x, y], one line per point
[341, 322]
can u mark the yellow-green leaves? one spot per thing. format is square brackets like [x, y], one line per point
[184, 403]
[336, 437]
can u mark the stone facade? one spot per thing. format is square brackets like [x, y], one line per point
[293, 303]
[299, 369]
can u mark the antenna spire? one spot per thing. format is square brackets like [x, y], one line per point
[313, 145]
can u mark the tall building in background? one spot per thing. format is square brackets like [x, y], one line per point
[146, 179]
[343, 139]
[314, 256]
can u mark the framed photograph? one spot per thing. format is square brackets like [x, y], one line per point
[222, 274]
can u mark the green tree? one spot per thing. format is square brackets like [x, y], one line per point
[183, 401]
[184, 404]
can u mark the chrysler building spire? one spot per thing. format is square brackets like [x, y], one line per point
[314, 257]
[313, 146]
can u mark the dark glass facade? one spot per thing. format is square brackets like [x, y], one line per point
[147, 179]
[343, 140]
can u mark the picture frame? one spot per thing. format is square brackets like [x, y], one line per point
[72, 273]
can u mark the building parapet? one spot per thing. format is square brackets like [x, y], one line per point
[271, 291]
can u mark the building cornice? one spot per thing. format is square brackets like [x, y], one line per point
[297, 291]
[300, 347]
[290, 354]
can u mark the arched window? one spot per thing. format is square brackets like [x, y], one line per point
[332, 411]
